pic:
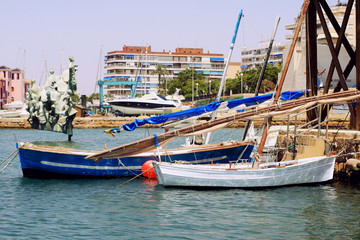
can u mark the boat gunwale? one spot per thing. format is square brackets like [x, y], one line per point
[246, 166]
[163, 151]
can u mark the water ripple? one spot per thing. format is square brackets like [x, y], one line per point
[96, 209]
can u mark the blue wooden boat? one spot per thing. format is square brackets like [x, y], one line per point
[39, 161]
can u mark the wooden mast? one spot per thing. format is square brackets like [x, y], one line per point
[282, 79]
[258, 85]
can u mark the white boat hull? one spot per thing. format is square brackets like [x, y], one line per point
[309, 170]
[142, 111]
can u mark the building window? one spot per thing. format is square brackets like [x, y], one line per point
[12, 89]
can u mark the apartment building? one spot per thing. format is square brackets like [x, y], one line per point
[254, 57]
[339, 12]
[12, 85]
[137, 63]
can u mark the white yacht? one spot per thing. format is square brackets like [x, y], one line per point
[149, 104]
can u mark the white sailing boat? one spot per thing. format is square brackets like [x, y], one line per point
[257, 174]
[293, 172]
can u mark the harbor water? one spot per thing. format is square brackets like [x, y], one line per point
[97, 209]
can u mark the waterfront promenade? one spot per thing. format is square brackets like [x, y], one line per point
[337, 120]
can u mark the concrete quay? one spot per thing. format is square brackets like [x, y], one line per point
[336, 121]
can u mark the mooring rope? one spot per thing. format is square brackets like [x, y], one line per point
[9, 156]
[17, 152]
[121, 163]
[345, 154]
[139, 175]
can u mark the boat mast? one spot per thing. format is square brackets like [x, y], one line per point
[98, 68]
[263, 70]
[225, 70]
[282, 79]
[146, 66]
[23, 79]
[137, 74]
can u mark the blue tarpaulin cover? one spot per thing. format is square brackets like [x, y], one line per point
[289, 95]
[172, 116]
[208, 108]
[259, 99]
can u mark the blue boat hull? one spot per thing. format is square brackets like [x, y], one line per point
[50, 164]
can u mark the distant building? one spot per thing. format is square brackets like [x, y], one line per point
[339, 11]
[136, 63]
[12, 85]
[254, 57]
[233, 69]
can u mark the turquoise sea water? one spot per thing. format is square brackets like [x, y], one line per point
[97, 209]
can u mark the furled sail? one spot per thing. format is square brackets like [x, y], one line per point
[198, 111]
[161, 139]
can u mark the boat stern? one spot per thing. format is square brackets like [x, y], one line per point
[158, 173]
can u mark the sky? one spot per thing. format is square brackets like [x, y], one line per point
[40, 33]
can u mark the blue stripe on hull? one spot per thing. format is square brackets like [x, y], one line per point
[47, 164]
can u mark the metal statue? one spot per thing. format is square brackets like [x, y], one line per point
[52, 107]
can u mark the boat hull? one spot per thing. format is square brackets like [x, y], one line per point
[310, 170]
[139, 106]
[143, 111]
[48, 162]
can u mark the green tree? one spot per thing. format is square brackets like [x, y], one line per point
[160, 71]
[184, 83]
[250, 78]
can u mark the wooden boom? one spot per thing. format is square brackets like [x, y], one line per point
[149, 143]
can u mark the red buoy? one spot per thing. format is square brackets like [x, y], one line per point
[147, 169]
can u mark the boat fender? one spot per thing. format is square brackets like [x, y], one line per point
[147, 169]
[353, 164]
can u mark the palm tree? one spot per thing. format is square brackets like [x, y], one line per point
[160, 70]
